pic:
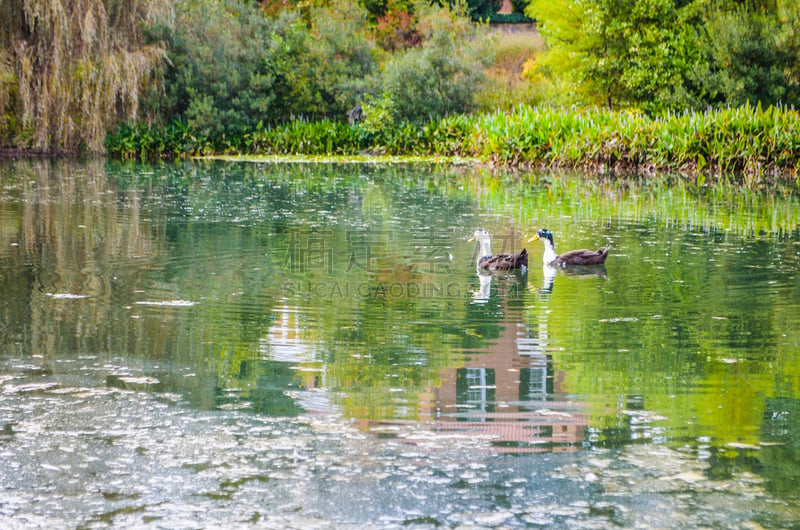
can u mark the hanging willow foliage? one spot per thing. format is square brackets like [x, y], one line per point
[72, 69]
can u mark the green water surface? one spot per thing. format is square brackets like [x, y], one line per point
[276, 335]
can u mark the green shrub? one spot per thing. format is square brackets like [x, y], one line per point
[324, 137]
[379, 114]
[620, 54]
[658, 55]
[444, 73]
[749, 141]
[216, 78]
[340, 59]
[232, 67]
[518, 6]
[747, 61]
[480, 9]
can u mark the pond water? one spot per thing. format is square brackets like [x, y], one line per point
[309, 346]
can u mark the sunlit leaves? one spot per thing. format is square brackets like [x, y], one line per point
[658, 55]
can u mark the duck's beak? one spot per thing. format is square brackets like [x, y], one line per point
[470, 240]
[534, 238]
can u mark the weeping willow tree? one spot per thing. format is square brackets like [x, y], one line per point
[71, 69]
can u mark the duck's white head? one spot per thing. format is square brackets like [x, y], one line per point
[482, 236]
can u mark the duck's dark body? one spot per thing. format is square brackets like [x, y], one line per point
[581, 257]
[573, 257]
[504, 262]
[498, 262]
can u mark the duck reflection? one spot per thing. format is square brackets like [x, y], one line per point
[509, 284]
[496, 388]
[548, 278]
[481, 295]
[549, 274]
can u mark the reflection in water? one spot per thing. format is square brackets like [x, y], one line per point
[548, 279]
[481, 295]
[781, 445]
[549, 274]
[504, 392]
[250, 339]
[285, 342]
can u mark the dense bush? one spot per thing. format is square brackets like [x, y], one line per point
[748, 60]
[442, 75]
[216, 77]
[224, 75]
[234, 73]
[620, 54]
[396, 29]
[481, 8]
[231, 67]
[341, 54]
[659, 55]
[519, 6]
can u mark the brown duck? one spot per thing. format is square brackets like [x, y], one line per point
[573, 257]
[486, 261]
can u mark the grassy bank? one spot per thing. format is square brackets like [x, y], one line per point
[748, 142]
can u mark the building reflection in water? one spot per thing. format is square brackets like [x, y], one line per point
[509, 394]
[288, 343]
[506, 394]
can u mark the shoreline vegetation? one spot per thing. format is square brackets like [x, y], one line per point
[749, 143]
[703, 89]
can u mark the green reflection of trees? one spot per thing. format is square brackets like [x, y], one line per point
[216, 237]
[662, 200]
[694, 334]
[383, 296]
[63, 236]
[780, 456]
[691, 328]
[696, 320]
[350, 266]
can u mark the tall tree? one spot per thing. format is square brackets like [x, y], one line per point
[753, 53]
[670, 54]
[71, 69]
[617, 52]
